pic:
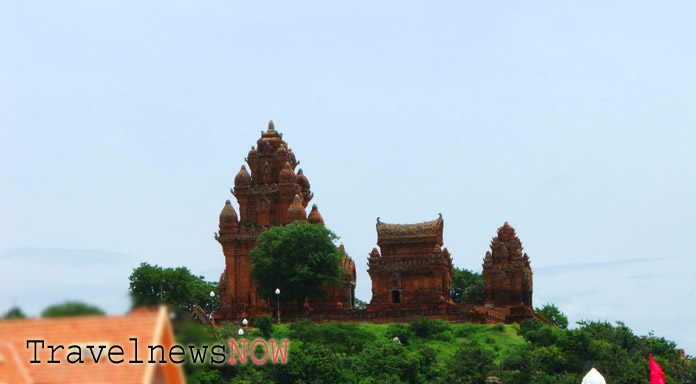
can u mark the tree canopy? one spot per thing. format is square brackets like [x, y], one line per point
[554, 315]
[71, 308]
[360, 304]
[467, 287]
[14, 313]
[299, 259]
[178, 287]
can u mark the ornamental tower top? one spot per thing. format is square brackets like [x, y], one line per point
[265, 195]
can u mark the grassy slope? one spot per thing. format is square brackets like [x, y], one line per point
[435, 351]
[501, 338]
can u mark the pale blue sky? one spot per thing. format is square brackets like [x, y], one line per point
[122, 127]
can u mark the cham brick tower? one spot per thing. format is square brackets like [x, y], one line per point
[508, 274]
[413, 271]
[271, 195]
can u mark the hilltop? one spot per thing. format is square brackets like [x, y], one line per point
[434, 351]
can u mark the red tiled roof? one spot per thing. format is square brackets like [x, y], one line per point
[149, 327]
[11, 368]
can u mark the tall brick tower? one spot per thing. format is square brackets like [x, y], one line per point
[507, 273]
[271, 195]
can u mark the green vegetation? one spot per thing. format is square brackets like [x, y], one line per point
[434, 351]
[71, 308]
[467, 287]
[554, 315]
[14, 313]
[300, 255]
[178, 287]
[265, 324]
[360, 304]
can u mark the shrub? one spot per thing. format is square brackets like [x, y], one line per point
[535, 331]
[401, 331]
[212, 376]
[307, 364]
[387, 362]
[303, 330]
[530, 325]
[518, 361]
[464, 330]
[264, 323]
[343, 337]
[337, 337]
[471, 363]
[442, 336]
[425, 327]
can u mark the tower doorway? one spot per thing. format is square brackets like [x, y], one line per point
[396, 297]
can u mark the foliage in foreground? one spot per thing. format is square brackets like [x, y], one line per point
[433, 351]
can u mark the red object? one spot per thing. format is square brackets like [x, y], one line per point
[656, 374]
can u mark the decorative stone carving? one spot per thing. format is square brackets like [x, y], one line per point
[507, 272]
[413, 271]
[269, 194]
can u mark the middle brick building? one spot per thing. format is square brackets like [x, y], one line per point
[413, 271]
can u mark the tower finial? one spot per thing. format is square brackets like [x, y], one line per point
[314, 216]
[271, 126]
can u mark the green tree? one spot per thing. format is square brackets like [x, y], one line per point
[360, 304]
[401, 331]
[470, 364]
[537, 332]
[71, 308]
[191, 333]
[467, 287]
[264, 323]
[178, 287]
[554, 315]
[384, 361]
[425, 327]
[14, 313]
[299, 258]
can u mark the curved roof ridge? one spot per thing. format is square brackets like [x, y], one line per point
[426, 231]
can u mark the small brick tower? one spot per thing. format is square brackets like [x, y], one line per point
[507, 273]
[413, 271]
[271, 195]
